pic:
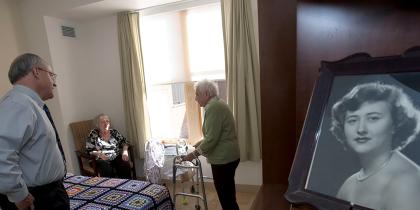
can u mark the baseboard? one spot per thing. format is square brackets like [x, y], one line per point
[141, 178]
[239, 187]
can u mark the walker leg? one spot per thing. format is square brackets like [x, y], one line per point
[174, 182]
[203, 188]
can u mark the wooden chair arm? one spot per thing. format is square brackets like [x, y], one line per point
[82, 155]
[132, 162]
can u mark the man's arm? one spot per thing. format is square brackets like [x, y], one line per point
[16, 128]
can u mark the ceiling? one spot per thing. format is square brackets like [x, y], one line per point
[92, 9]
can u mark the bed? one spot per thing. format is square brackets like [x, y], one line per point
[111, 193]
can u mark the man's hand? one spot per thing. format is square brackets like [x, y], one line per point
[125, 155]
[26, 203]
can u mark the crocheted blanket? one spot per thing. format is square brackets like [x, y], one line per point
[110, 193]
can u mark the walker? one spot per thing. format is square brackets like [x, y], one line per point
[157, 164]
[194, 165]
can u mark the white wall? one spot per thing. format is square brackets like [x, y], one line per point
[247, 173]
[101, 76]
[89, 80]
[62, 52]
[11, 40]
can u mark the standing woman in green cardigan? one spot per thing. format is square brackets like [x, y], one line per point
[219, 144]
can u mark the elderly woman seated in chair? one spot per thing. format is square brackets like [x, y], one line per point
[110, 149]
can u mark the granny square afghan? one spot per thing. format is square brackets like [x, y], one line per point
[111, 193]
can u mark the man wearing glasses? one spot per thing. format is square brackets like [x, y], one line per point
[32, 162]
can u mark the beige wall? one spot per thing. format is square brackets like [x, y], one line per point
[11, 39]
[89, 80]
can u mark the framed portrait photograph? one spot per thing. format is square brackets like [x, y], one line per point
[360, 144]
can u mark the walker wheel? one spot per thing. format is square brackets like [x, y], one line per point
[197, 207]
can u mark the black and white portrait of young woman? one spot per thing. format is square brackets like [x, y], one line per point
[367, 150]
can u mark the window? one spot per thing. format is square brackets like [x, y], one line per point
[180, 47]
[178, 96]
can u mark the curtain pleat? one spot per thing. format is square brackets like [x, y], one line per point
[243, 75]
[134, 86]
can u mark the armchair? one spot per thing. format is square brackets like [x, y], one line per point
[87, 162]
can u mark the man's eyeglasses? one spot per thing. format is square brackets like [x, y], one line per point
[52, 75]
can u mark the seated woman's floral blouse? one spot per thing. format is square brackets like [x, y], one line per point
[110, 148]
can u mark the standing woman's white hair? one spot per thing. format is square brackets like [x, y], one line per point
[206, 86]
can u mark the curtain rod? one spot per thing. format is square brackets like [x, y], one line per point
[174, 3]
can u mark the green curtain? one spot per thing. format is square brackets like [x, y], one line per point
[133, 80]
[243, 75]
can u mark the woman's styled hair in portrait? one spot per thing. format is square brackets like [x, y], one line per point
[404, 114]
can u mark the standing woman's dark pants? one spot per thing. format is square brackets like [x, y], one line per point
[224, 181]
[49, 196]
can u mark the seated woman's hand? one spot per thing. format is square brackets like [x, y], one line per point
[102, 156]
[125, 155]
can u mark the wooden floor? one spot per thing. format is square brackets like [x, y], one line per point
[245, 195]
[271, 197]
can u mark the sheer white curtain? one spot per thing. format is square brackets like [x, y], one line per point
[134, 88]
[243, 75]
[179, 47]
[183, 45]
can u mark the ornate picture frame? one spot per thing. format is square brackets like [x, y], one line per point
[323, 166]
